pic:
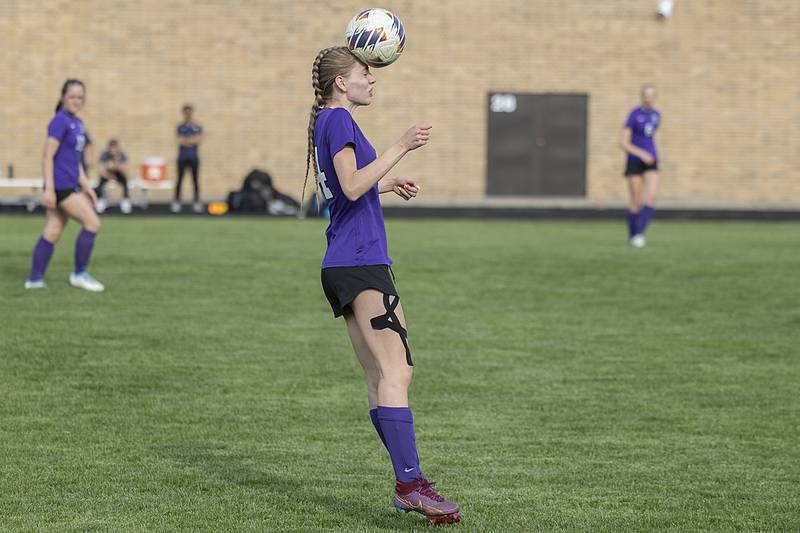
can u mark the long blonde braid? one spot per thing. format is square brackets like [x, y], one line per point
[329, 63]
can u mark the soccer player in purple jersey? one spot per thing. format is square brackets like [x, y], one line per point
[356, 275]
[67, 193]
[641, 168]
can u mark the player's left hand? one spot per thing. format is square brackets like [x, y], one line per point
[405, 188]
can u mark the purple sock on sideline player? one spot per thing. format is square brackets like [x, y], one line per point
[83, 250]
[632, 223]
[397, 424]
[645, 215]
[41, 258]
[373, 415]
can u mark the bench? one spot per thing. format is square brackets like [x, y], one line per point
[34, 184]
[137, 186]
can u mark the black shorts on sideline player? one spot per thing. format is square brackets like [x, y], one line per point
[636, 166]
[343, 284]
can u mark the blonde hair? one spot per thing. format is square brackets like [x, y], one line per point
[329, 63]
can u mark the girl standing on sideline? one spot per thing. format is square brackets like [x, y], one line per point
[67, 193]
[641, 169]
[355, 270]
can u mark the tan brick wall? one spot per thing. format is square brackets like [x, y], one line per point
[728, 72]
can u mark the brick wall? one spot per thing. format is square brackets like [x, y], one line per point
[728, 72]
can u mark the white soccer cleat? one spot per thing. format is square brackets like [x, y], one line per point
[35, 284]
[125, 206]
[197, 207]
[85, 281]
[101, 205]
[638, 241]
[175, 207]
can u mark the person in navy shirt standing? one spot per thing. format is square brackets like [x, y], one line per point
[641, 169]
[67, 193]
[356, 276]
[190, 135]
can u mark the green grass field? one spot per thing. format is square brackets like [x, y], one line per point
[564, 382]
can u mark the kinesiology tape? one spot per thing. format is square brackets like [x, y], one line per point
[390, 321]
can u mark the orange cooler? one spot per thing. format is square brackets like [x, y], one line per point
[154, 169]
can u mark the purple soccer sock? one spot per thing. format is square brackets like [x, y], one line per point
[645, 216]
[83, 250]
[397, 424]
[373, 415]
[41, 258]
[632, 222]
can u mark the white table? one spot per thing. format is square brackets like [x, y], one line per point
[143, 186]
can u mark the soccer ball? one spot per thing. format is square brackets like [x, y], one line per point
[376, 37]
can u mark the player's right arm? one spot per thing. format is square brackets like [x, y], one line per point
[628, 147]
[50, 148]
[88, 151]
[357, 181]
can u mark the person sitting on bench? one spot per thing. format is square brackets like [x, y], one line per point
[113, 166]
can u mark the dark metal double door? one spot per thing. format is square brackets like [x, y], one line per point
[536, 144]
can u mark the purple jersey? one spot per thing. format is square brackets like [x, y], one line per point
[643, 124]
[356, 234]
[68, 130]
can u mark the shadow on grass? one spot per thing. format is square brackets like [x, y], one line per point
[284, 489]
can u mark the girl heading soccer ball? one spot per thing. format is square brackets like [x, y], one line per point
[356, 274]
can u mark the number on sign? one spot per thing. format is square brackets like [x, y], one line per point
[503, 103]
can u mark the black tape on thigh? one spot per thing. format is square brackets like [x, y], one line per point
[390, 321]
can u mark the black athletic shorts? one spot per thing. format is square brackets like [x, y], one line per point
[343, 284]
[63, 193]
[635, 167]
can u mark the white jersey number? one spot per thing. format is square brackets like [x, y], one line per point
[321, 179]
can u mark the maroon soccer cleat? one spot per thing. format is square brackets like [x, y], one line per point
[420, 496]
